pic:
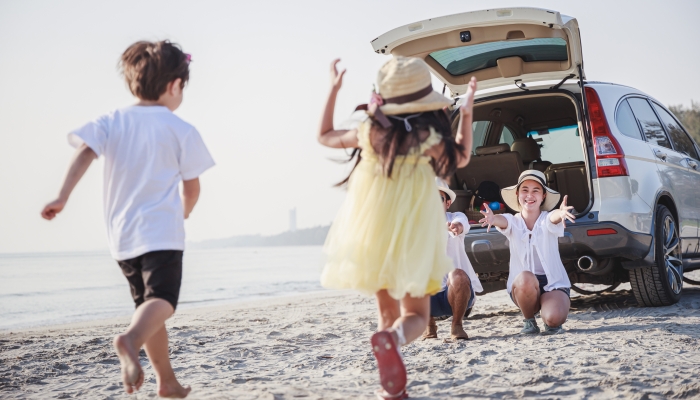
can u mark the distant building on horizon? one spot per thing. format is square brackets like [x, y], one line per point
[293, 220]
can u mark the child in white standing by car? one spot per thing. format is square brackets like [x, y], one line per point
[537, 280]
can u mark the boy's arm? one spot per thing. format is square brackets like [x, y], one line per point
[82, 159]
[327, 135]
[190, 195]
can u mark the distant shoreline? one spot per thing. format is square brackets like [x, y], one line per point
[315, 236]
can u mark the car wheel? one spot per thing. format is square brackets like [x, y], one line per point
[662, 283]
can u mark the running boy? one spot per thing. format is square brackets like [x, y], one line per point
[148, 151]
[537, 280]
[457, 294]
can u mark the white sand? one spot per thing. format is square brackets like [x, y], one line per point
[316, 346]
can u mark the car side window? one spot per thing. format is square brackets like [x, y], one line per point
[479, 131]
[680, 139]
[651, 126]
[624, 118]
[506, 136]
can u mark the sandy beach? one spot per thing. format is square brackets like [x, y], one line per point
[316, 347]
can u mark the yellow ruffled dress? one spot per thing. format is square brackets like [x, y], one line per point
[390, 233]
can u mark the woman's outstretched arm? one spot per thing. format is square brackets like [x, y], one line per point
[327, 135]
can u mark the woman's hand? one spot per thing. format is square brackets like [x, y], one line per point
[563, 214]
[488, 219]
[336, 77]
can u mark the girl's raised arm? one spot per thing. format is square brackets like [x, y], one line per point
[327, 135]
[464, 130]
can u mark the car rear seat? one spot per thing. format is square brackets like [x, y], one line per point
[570, 179]
[491, 163]
[530, 153]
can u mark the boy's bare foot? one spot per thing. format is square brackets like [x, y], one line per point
[173, 390]
[458, 333]
[430, 330]
[132, 374]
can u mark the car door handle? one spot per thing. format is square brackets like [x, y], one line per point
[660, 154]
[693, 164]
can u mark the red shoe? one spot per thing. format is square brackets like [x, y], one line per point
[392, 372]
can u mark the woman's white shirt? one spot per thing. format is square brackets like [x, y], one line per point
[541, 243]
[455, 250]
[537, 267]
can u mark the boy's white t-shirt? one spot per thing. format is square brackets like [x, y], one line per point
[148, 150]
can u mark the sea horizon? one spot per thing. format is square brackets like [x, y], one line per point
[80, 286]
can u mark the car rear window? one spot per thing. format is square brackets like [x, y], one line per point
[650, 124]
[466, 59]
[680, 139]
[626, 122]
[559, 145]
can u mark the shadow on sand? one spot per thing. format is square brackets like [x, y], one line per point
[617, 300]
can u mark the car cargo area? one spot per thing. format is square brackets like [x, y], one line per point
[518, 133]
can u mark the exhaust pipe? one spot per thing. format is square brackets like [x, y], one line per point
[587, 264]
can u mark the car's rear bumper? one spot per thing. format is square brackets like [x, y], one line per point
[489, 252]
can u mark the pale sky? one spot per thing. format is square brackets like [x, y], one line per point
[257, 86]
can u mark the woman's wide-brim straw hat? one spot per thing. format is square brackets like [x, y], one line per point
[510, 196]
[406, 87]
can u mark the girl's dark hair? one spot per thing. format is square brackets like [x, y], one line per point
[397, 141]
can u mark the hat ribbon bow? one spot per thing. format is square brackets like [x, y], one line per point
[376, 101]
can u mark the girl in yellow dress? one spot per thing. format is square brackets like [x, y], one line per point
[389, 236]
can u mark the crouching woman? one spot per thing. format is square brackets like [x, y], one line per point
[537, 280]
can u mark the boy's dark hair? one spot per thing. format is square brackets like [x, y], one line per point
[148, 67]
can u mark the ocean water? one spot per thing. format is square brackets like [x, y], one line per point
[47, 289]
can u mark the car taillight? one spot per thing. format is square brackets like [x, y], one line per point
[599, 232]
[610, 160]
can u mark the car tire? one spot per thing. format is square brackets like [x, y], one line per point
[661, 284]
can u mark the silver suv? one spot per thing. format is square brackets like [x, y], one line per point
[626, 163]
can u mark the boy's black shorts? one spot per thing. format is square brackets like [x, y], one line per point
[154, 275]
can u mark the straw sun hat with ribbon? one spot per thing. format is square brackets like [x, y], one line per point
[405, 87]
[510, 196]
